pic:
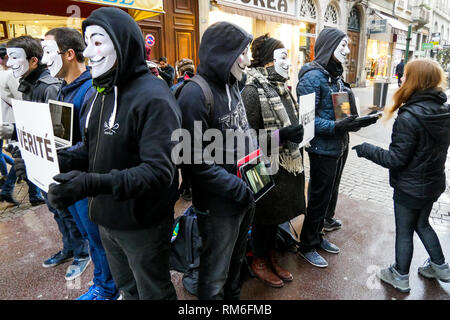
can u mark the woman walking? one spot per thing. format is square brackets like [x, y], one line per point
[416, 162]
[271, 106]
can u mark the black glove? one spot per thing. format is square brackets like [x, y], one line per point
[293, 133]
[77, 185]
[360, 149]
[367, 122]
[346, 125]
[19, 163]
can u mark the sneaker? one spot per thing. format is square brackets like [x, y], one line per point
[398, 281]
[91, 294]
[9, 198]
[36, 202]
[431, 270]
[329, 247]
[77, 268]
[114, 297]
[332, 224]
[57, 259]
[314, 258]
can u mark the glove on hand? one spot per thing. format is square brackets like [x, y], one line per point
[72, 187]
[6, 130]
[346, 125]
[77, 185]
[368, 122]
[19, 163]
[359, 149]
[293, 133]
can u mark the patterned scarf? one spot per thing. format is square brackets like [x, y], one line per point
[271, 87]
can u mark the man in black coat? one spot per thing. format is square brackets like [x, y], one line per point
[166, 71]
[399, 70]
[125, 164]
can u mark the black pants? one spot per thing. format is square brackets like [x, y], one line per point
[407, 221]
[224, 241]
[139, 261]
[264, 239]
[323, 189]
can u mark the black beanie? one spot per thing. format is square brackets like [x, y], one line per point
[262, 50]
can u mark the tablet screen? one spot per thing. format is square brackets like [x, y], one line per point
[257, 176]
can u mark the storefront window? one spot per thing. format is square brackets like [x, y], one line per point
[378, 59]
[244, 22]
[307, 41]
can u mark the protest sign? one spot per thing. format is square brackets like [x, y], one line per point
[307, 105]
[36, 141]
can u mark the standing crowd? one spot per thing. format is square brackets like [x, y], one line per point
[114, 198]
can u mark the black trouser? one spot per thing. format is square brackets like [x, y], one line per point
[224, 241]
[139, 261]
[323, 189]
[264, 239]
[407, 221]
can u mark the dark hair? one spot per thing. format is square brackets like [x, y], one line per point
[30, 45]
[262, 50]
[2, 51]
[68, 38]
[163, 59]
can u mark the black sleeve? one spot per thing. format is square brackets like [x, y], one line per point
[168, 75]
[74, 159]
[401, 149]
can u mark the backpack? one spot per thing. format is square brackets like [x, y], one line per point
[206, 89]
[185, 249]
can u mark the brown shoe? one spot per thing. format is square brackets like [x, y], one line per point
[282, 273]
[260, 268]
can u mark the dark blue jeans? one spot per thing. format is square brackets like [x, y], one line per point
[8, 187]
[407, 221]
[73, 240]
[102, 274]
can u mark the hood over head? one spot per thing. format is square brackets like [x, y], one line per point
[221, 45]
[434, 116]
[326, 43]
[127, 38]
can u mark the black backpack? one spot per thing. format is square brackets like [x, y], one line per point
[206, 89]
[185, 249]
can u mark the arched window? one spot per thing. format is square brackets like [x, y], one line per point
[308, 9]
[331, 16]
[354, 21]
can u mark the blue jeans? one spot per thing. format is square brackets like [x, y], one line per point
[102, 274]
[8, 187]
[73, 240]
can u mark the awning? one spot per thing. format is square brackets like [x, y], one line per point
[138, 9]
[394, 23]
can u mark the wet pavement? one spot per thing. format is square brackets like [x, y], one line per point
[366, 242]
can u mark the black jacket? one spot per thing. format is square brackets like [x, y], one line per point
[216, 187]
[418, 151]
[133, 152]
[39, 86]
[168, 74]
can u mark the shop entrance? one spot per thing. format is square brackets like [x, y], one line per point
[176, 31]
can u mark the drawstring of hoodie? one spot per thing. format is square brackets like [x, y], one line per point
[112, 118]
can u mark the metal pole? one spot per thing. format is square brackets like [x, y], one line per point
[408, 40]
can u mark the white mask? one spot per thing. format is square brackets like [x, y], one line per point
[17, 61]
[238, 68]
[52, 57]
[342, 51]
[281, 62]
[99, 50]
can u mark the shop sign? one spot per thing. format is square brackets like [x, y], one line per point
[436, 38]
[378, 26]
[278, 6]
[427, 46]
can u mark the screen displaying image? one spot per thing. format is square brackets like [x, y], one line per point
[258, 177]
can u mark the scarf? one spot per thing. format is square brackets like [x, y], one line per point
[105, 83]
[271, 87]
[334, 68]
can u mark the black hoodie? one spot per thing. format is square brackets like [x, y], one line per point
[215, 187]
[418, 151]
[132, 150]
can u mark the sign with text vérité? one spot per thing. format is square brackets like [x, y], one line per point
[286, 7]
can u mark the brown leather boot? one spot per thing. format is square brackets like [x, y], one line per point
[281, 272]
[260, 267]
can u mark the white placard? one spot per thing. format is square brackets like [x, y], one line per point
[36, 141]
[307, 105]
